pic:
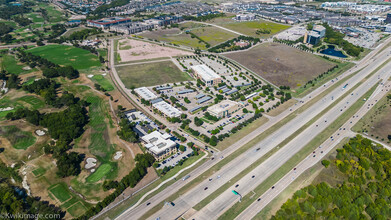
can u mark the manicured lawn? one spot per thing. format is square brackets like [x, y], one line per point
[99, 173]
[102, 81]
[35, 102]
[60, 191]
[67, 55]
[250, 27]
[77, 209]
[151, 74]
[39, 171]
[35, 17]
[18, 138]
[9, 63]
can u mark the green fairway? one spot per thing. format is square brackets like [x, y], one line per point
[9, 63]
[33, 101]
[39, 172]
[151, 74]
[67, 55]
[18, 138]
[102, 81]
[99, 173]
[60, 191]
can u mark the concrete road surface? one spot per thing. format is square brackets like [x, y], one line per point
[225, 200]
[310, 161]
[249, 156]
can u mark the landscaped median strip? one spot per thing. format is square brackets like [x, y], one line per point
[248, 199]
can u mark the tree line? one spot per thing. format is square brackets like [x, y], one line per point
[363, 190]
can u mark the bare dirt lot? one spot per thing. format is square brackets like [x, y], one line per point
[131, 50]
[281, 64]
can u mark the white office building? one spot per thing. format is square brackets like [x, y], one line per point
[159, 145]
[145, 93]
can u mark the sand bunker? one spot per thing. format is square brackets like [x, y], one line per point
[90, 162]
[117, 155]
[40, 132]
[142, 50]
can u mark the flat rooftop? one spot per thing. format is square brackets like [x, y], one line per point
[167, 109]
[145, 93]
[205, 72]
[222, 106]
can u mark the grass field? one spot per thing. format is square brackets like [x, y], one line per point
[99, 173]
[102, 81]
[9, 63]
[134, 76]
[18, 138]
[67, 55]
[210, 34]
[33, 101]
[250, 27]
[77, 209]
[281, 64]
[213, 35]
[39, 171]
[174, 36]
[60, 191]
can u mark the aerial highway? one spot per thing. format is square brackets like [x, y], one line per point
[310, 160]
[247, 183]
[185, 202]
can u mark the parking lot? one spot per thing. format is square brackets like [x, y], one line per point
[173, 160]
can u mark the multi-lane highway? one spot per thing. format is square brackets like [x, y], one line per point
[345, 131]
[247, 183]
[189, 199]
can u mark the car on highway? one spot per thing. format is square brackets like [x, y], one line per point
[253, 176]
[186, 177]
[205, 188]
[148, 203]
[272, 187]
[259, 199]
[236, 185]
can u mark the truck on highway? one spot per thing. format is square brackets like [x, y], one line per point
[186, 177]
[344, 87]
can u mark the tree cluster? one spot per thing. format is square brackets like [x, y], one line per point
[366, 193]
[335, 37]
[204, 17]
[229, 45]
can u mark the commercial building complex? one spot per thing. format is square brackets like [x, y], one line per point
[224, 108]
[145, 93]
[107, 22]
[167, 109]
[159, 145]
[207, 75]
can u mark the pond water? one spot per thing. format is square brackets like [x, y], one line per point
[330, 50]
